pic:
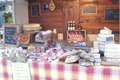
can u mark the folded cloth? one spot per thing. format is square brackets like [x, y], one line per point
[105, 30]
[68, 53]
[87, 56]
[72, 59]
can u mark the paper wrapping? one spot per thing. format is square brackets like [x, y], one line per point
[105, 35]
[105, 31]
[113, 59]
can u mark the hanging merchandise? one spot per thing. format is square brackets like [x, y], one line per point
[109, 0]
[52, 5]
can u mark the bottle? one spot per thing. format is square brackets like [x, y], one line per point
[73, 25]
[79, 26]
[68, 25]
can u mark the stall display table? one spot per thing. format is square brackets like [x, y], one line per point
[62, 71]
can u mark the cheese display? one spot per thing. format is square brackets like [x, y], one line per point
[104, 37]
[31, 27]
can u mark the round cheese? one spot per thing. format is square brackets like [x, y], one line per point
[31, 28]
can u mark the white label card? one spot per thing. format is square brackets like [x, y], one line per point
[21, 71]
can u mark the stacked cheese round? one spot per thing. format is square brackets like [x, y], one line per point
[104, 37]
[31, 27]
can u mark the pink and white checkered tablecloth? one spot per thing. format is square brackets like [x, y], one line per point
[5, 70]
[61, 71]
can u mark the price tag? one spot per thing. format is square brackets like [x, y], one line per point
[21, 71]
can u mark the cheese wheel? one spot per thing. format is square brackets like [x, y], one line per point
[31, 25]
[31, 28]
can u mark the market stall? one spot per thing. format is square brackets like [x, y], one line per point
[58, 61]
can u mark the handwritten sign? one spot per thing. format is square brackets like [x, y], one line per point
[21, 71]
[10, 34]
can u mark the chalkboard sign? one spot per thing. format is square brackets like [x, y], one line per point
[112, 14]
[35, 10]
[10, 32]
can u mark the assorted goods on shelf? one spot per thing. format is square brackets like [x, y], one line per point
[75, 35]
